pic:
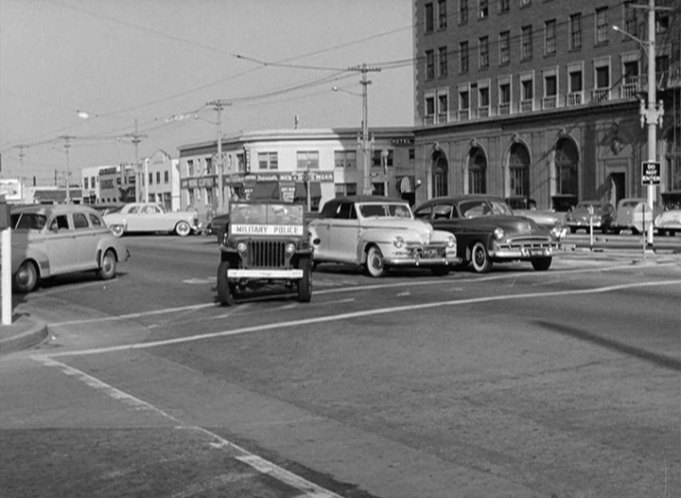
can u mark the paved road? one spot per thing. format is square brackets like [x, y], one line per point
[516, 383]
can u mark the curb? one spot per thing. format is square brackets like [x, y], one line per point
[24, 340]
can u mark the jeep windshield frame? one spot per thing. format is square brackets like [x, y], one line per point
[266, 218]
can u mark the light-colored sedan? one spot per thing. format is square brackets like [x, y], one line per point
[378, 233]
[669, 220]
[50, 240]
[150, 217]
[633, 214]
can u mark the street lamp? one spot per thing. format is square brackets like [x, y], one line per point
[651, 112]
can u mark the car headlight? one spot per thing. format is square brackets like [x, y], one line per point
[290, 248]
[499, 233]
[241, 247]
[398, 242]
[451, 242]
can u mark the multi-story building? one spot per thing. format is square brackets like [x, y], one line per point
[116, 184]
[328, 162]
[541, 98]
[161, 180]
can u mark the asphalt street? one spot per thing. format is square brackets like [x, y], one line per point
[515, 383]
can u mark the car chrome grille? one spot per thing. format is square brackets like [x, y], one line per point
[266, 254]
[529, 243]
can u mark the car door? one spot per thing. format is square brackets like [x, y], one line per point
[151, 219]
[344, 233]
[60, 244]
[85, 241]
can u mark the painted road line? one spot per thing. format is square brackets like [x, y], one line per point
[358, 314]
[306, 488]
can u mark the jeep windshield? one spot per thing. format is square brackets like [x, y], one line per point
[259, 218]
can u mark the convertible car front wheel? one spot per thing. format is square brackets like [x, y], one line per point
[375, 265]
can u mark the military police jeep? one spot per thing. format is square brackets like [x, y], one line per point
[266, 243]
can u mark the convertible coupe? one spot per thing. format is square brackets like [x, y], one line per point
[378, 233]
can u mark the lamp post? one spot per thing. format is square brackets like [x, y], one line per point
[651, 112]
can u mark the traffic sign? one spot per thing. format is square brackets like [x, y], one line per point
[650, 173]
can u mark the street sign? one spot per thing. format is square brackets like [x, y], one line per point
[650, 173]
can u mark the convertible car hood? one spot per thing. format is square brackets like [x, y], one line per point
[421, 227]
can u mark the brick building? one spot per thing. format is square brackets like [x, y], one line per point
[541, 98]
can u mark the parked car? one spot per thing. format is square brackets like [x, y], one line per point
[50, 240]
[218, 226]
[266, 243]
[668, 222]
[527, 207]
[378, 233]
[586, 214]
[488, 232]
[150, 217]
[630, 215]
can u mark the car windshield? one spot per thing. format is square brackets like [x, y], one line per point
[484, 207]
[28, 221]
[671, 202]
[385, 210]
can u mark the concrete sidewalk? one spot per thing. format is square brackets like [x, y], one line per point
[23, 333]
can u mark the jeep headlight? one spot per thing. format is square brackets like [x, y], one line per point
[451, 242]
[499, 233]
[241, 247]
[290, 248]
[398, 242]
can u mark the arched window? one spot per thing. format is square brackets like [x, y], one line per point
[477, 171]
[440, 174]
[519, 168]
[567, 161]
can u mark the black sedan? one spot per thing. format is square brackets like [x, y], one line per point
[487, 232]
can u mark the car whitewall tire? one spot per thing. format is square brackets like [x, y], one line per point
[375, 264]
[183, 229]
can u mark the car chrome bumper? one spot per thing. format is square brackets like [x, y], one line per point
[291, 274]
[521, 252]
[416, 261]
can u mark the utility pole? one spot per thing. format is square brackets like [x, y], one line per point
[67, 146]
[218, 106]
[140, 175]
[365, 142]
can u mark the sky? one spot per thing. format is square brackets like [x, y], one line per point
[158, 63]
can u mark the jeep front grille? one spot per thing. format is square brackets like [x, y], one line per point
[266, 254]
